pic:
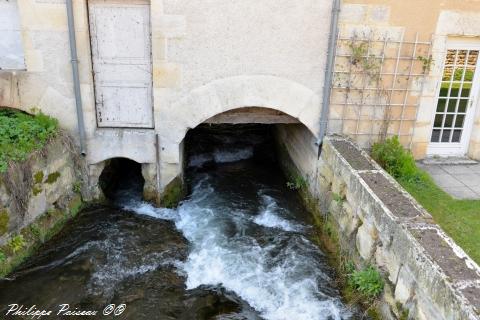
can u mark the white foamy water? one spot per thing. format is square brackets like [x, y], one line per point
[280, 275]
[269, 216]
[221, 156]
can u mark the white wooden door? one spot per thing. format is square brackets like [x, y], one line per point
[457, 99]
[122, 65]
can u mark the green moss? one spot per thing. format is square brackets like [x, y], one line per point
[31, 237]
[52, 177]
[36, 190]
[38, 177]
[75, 205]
[173, 193]
[4, 219]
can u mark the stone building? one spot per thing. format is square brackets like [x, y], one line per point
[151, 70]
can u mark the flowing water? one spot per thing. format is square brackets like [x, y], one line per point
[237, 247]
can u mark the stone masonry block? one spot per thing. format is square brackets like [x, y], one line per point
[353, 13]
[365, 241]
[166, 75]
[169, 26]
[405, 286]
[387, 260]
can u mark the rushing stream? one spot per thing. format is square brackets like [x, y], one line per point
[238, 247]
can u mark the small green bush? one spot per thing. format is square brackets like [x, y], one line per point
[397, 161]
[77, 187]
[21, 134]
[17, 243]
[298, 183]
[3, 256]
[368, 282]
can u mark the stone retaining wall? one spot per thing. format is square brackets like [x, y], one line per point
[379, 223]
[36, 197]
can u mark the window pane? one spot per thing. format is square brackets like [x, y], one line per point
[472, 58]
[466, 89]
[456, 135]
[469, 73]
[441, 105]
[450, 59]
[455, 89]
[452, 105]
[444, 89]
[448, 121]
[446, 135]
[438, 121]
[462, 105]
[459, 121]
[447, 73]
[461, 57]
[435, 135]
[458, 75]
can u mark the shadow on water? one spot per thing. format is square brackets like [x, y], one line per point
[237, 247]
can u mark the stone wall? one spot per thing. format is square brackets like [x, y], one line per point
[36, 197]
[378, 223]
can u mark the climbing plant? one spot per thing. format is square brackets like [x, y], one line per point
[377, 82]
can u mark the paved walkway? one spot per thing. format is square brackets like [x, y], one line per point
[461, 181]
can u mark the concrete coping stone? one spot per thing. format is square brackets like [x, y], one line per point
[393, 198]
[451, 261]
[353, 155]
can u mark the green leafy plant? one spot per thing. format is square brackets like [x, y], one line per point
[397, 161]
[16, 243]
[368, 282]
[3, 256]
[298, 183]
[36, 231]
[426, 63]
[77, 187]
[338, 198]
[21, 134]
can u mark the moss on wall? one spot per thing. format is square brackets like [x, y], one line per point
[38, 177]
[173, 193]
[4, 219]
[42, 229]
[36, 190]
[52, 177]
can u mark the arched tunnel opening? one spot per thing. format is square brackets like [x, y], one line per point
[121, 175]
[211, 145]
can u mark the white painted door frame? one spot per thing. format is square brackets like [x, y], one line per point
[120, 38]
[460, 148]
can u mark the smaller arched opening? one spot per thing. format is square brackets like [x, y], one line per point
[121, 176]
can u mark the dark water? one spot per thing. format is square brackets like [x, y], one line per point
[238, 247]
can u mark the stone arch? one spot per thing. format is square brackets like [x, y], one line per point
[226, 94]
[222, 95]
